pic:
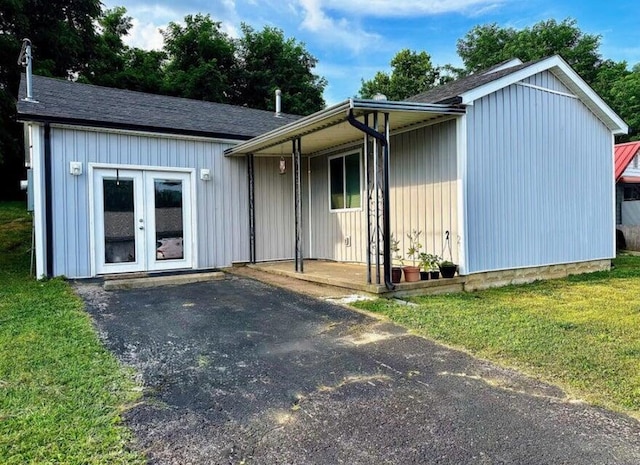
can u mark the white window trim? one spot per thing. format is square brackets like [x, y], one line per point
[344, 180]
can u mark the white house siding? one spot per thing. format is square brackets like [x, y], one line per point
[633, 169]
[222, 203]
[547, 80]
[328, 230]
[423, 196]
[424, 186]
[539, 174]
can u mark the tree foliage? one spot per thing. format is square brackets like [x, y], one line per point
[202, 63]
[269, 61]
[411, 74]
[63, 37]
[486, 45]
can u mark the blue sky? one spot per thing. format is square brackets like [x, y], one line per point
[353, 39]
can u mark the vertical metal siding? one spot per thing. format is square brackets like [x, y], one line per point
[274, 210]
[547, 80]
[424, 193]
[539, 174]
[221, 204]
[329, 229]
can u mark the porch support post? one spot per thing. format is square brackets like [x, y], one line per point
[297, 191]
[252, 211]
[386, 203]
[368, 198]
[376, 193]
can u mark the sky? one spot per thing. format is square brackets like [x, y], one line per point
[353, 39]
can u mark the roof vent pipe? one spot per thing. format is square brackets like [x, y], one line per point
[26, 59]
[278, 103]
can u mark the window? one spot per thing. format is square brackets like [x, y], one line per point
[632, 192]
[344, 182]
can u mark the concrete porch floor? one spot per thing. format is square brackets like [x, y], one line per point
[354, 276]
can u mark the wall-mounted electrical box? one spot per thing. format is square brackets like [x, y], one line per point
[75, 168]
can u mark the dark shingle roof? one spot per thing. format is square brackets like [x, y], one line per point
[451, 92]
[75, 103]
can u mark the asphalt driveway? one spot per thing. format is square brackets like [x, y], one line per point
[236, 371]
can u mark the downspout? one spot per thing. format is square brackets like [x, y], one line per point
[386, 228]
[48, 191]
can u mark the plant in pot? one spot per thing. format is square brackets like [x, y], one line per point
[429, 264]
[412, 272]
[396, 271]
[448, 269]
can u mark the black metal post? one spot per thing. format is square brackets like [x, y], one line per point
[252, 206]
[368, 187]
[298, 200]
[386, 203]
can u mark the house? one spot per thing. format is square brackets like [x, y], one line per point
[627, 176]
[121, 178]
[505, 172]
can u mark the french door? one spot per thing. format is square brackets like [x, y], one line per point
[142, 220]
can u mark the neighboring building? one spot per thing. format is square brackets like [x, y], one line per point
[627, 176]
[510, 164]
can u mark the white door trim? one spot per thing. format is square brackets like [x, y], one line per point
[190, 203]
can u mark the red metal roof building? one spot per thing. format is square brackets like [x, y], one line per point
[624, 153]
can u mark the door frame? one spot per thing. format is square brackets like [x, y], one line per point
[91, 167]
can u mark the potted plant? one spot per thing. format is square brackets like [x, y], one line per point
[448, 269]
[396, 271]
[412, 272]
[429, 264]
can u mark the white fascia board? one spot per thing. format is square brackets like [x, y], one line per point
[556, 65]
[327, 117]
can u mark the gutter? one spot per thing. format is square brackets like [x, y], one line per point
[386, 221]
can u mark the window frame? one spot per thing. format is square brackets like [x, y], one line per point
[344, 155]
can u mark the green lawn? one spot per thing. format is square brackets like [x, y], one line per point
[582, 333]
[61, 393]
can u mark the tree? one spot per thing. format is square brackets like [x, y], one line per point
[411, 74]
[113, 64]
[625, 97]
[487, 45]
[62, 33]
[202, 62]
[268, 61]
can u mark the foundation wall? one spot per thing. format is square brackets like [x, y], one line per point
[478, 281]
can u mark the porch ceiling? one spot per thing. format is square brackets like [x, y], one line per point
[329, 128]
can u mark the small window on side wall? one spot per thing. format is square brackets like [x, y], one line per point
[344, 182]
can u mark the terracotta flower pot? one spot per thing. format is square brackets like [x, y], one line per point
[411, 274]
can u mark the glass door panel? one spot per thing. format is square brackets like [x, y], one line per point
[169, 219]
[119, 221]
[168, 207]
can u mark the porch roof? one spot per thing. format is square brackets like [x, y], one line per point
[329, 128]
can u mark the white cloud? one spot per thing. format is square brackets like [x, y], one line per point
[145, 35]
[334, 31]
[408, 8]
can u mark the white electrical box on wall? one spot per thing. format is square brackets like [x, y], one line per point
[75, 168]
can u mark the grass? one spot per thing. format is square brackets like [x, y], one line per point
[61, 392]
[582, 333]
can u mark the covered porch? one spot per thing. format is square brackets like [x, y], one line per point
[350, 179]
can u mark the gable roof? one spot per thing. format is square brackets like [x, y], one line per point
[452, 92]
[470, 88]
[624, 153]
[61, 101]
